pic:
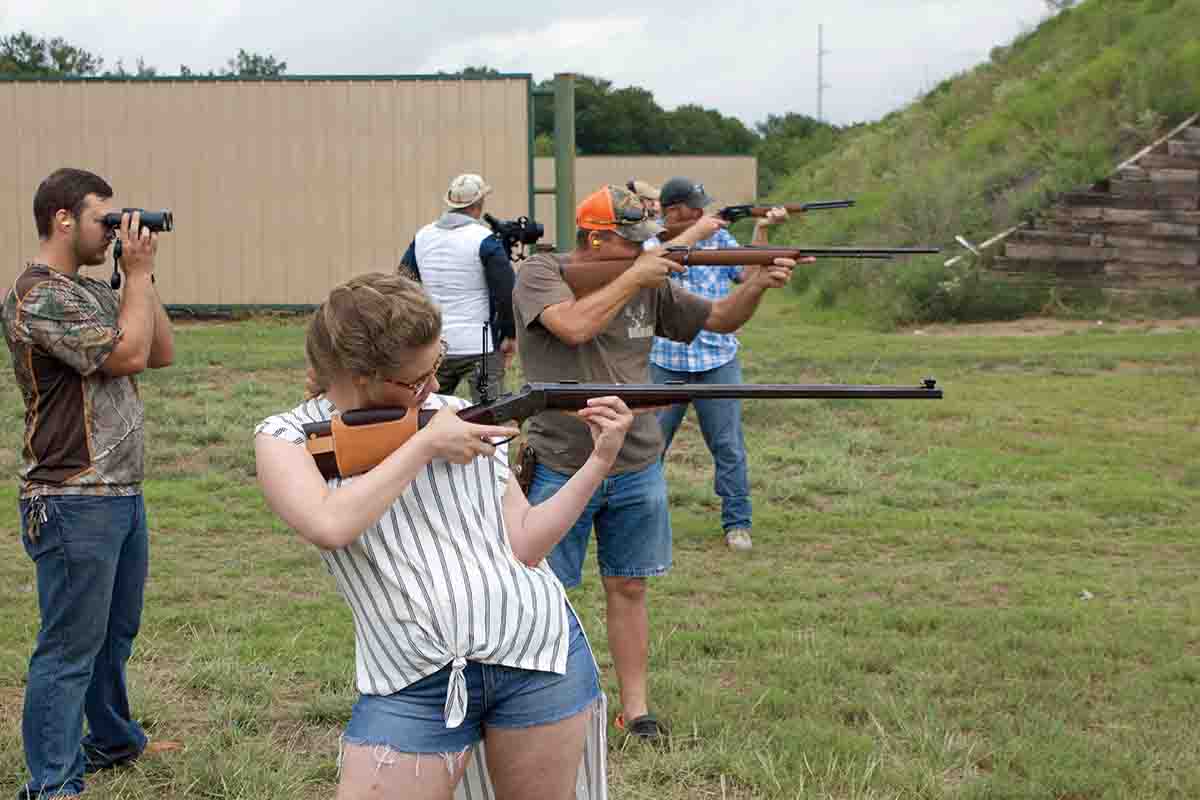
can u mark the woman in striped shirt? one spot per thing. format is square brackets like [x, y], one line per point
[462, 632]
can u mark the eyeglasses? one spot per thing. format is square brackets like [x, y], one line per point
[417, 386]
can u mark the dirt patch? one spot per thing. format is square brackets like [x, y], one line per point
[1049, 326]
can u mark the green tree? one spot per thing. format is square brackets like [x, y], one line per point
[252, 65]
[472, 72]
[27, 55]
[787, 142]
[142, 70]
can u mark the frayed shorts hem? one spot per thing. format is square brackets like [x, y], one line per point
[358, 741]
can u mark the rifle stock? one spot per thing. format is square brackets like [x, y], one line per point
[357, 440]
[585, 277]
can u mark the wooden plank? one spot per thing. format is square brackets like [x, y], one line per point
[1049, 236]
[1144, 200]
[1190, 134]
[1127, 216]
[1047, 252]
[1133, 173]
[1156, 161]
[1176, 175]
[1188, 149]
[1146, 242]
[1185, 256]
[1111, 275]
[1016, 266]
[1158, 188]
[1126, 271]
[1162, 230]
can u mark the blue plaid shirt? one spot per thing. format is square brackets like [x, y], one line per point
[708, 350]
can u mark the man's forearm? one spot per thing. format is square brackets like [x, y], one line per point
[588, 317]
[735, 309]
[136, 318]
[162, 346]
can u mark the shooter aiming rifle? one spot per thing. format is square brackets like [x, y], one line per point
[355, 441]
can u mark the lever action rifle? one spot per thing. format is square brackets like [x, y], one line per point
[732, 214]
[354, 441]
[587, 276]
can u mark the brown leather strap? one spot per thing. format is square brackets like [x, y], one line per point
[360, 447]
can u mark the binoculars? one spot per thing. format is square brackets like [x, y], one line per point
[157, 221]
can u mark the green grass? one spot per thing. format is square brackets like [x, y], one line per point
[910, 624]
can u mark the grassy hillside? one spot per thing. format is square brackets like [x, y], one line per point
[1057, 108]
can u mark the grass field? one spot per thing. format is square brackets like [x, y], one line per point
[990, 596]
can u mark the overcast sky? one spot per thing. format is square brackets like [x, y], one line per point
[744, 59]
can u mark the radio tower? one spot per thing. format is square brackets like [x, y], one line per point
[821, 84]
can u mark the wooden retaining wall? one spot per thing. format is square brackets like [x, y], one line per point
[1137, 229]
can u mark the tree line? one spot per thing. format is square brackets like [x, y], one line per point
[608, 120]
[27, 56]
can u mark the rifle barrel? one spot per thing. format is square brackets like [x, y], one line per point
[568, 396]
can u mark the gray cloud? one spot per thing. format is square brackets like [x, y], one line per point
[743, 59]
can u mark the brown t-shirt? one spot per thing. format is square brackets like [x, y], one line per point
[83, 429]
[620, 354]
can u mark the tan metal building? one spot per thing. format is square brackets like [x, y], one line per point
[728, 179]
[280, 188]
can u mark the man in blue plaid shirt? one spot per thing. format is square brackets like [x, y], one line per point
[710, 357]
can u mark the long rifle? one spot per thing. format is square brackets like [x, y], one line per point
[354, 441]
[585, 276]
[732, 214]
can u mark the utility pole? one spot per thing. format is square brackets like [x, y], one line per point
[821, 84]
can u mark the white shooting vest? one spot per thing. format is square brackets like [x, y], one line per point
[447, 254]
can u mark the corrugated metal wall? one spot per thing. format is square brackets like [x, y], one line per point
[728, 179]
[280, 189]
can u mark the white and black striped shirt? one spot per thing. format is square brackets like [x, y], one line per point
[435, 581]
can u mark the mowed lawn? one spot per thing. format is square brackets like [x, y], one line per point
[990, 596]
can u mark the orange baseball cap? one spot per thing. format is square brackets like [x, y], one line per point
[613, 208]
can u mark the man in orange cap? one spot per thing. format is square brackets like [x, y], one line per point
[605, 337]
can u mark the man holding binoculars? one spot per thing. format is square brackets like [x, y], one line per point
[76, 347]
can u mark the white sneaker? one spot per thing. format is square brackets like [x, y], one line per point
[738, 539]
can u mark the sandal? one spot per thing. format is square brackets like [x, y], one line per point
[647, 728]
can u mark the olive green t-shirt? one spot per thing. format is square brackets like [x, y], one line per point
[619, 354]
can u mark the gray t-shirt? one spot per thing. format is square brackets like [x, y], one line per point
[619, 354]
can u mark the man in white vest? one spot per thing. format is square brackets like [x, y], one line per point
[466, 271]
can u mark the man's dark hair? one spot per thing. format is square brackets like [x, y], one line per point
[65, 188]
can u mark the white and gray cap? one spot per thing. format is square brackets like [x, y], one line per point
[466, 189]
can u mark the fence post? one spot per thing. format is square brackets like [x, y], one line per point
[564, 161]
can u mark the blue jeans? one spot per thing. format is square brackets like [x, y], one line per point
[721, 425]
[91, 556]
[633, 525]
[413, 719]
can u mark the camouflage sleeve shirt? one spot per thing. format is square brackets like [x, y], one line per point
[83, 428]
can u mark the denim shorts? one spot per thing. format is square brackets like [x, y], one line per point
[632, 521]
[412, 721]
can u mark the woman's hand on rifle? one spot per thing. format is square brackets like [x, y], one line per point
[608, 419]
[449, 437]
